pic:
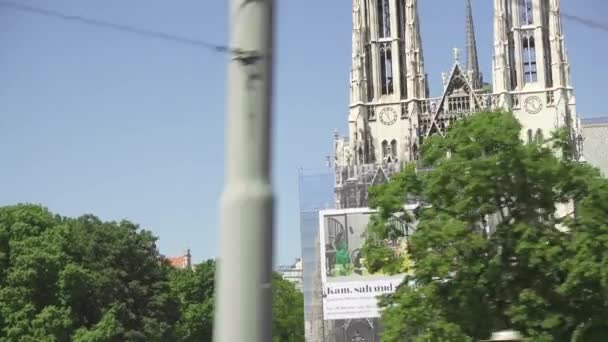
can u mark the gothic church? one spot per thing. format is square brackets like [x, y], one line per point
[391, 112]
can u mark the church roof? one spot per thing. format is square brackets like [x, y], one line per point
[458, 83]
[380, 177]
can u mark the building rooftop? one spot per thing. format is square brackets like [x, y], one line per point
[181, 262]
[297, 265]
[599, 120]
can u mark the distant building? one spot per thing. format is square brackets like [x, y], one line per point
[293, 273]
[181, 262]
[595, 131]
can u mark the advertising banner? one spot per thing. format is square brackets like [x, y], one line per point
[349, 290]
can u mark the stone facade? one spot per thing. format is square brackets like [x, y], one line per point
[391, 112]
[531, 73]
[595, 131]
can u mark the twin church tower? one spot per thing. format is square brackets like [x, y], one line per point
[391, 112]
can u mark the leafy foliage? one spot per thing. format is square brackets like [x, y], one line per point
[195, 290]
[288, 311]
[524, 273]
[81, 279]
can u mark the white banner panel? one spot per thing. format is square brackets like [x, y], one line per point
[356, 299]
[349, 290]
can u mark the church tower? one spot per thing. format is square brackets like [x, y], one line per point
[387, 80]
[531, 74]
[391, 114]
[388, 90]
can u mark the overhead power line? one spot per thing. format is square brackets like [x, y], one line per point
[587, 22]
[116, 27]
[195, 42]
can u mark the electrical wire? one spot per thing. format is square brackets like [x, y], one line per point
[200, 43]
[116, 27]
[587, 22]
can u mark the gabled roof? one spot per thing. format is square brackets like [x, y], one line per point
[457, 75]
[380, 177]
[458, 81]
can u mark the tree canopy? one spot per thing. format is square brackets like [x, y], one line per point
[195, 290]
[82, 279]
[496, 244]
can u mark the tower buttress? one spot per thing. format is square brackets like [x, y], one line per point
[357, 72]
[414, 53]
[558, 53]
[500, 64]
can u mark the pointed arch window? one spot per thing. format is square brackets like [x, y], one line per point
[401, 18]
[384, 19]
[371, 154]
[539, 137]
[512, 61]
[529, 57]
[548, 59]
[529, 136]
[394, 150]
[385, 150]
[386, 70]
[368, 72]
[361, 159]
[415, 152]
[526, 11]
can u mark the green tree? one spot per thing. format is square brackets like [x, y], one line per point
[66, 279]
[526, 274]
[80, 279]
[195, 290]
[287, 311]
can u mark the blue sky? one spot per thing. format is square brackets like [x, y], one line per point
[104, 122]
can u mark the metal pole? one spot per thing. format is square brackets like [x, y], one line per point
[243, 306]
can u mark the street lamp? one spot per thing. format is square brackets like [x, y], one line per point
[579, 147]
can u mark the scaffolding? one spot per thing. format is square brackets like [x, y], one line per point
[332, 188]
[316, 193]
[352, 182]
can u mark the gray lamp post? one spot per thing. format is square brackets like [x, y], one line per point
[579, 147]
[243, 305]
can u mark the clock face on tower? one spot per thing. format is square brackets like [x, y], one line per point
[388, 116]
[533, 104]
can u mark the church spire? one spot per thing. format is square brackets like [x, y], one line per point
[472, 62]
